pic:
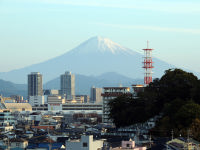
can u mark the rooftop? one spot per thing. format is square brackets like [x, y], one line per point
[116, 87]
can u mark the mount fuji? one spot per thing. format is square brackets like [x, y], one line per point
[95, 56]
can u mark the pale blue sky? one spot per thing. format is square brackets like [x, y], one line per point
[32, 31]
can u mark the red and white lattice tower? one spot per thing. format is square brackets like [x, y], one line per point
[148, 65]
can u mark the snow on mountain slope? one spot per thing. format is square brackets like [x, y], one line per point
[101, 45]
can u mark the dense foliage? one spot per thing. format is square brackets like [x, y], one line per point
[176, 95]
[123, 111]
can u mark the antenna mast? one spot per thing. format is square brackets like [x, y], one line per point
[148, 65]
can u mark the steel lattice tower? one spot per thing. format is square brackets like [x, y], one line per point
[148, 65]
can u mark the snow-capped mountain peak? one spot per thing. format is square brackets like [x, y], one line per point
[106, 44]
[100, 45]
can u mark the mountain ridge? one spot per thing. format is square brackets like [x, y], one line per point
[82, 84]
[89, 58]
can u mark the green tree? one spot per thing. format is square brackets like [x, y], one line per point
[174, 84]
[177, 84]
[125, 110]
[176, 95]
[187, 114]
[195, 129]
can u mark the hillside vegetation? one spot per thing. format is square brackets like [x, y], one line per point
[176, 95]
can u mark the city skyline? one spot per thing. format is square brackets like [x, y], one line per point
[99, 74]
[51, 28]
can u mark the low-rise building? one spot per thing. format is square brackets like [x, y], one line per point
[51, 92]
[82, 108]
[35, 117]
[137, 88]
[55, 102]
[47, 122]
[5, 127]
[6, 117]
[55, 99]
[70, 108]
[86, 98]
[18, 107]
[85, 143]
[182, 143]
[40, 108]
[79, 99]
[19, 143]
[129, 145]
[36, 100]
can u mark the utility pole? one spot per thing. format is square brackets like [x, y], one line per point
[8, 143]
[150, 141]
[167, 147]
[172, 132]
[49, 138]
[188, 138]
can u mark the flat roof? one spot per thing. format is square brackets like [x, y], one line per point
[116, 87]
[18, 105]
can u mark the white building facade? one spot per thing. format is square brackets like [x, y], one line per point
[85, 143]
[36, 100]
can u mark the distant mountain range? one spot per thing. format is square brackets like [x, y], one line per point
[8, 88]
[93, 57]
[96, 62]
[82, 84]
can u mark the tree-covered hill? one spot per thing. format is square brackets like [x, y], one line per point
[176, 95]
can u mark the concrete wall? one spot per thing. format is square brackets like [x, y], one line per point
[86, 143]
[36, 100]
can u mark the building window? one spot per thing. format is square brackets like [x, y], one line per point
[84, 144]
[127, 145]
[17, 144]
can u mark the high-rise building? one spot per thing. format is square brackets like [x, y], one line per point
[109, 94]
[67, 85]
[35, 84]
[95, 95]
[35, 90]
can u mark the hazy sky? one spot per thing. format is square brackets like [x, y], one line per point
[32, 31]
